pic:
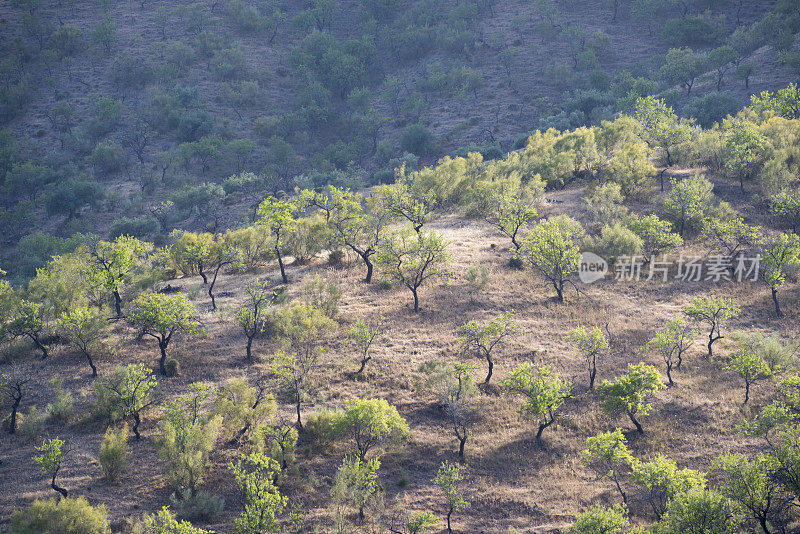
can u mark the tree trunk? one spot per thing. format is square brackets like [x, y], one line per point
[592, 374]
[559, 290]
[416, 300]
[118, 304]
[213, 300]
[363, 364]
[35, 338]
[299, 422]
[461, 443]
[56, 487]
[711, 340]
[12, 428]
[449, 528]
[636, 423]
[491, 368]
[542, 426]
[368, 263]
[91, 363]
[280, 263]
[763, 522]
[746, 391]
[249, 348]
[669, 375]
[136, 421]
[778, 311]
[161, 362]
[619, 488]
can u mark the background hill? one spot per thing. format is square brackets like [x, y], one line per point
[110, 108]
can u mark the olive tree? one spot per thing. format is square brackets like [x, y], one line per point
[254, 315]
[162, 316]
[278, 218]
[363, 334]
[743, 148]
[449, 479]
[244, 407]
[607, 454]
[356, 224]
[551, 248]
[661, 480]
[372, 424]
[414, 258]
[749, 484]
[302, 329]
[544, 391]
[689, 201]
[14, 387]
[187, 436]
[591, 343]
[731, 234]
[83, 328]
[26, 319]
[454, 385]
[127, 392]
[713, 311]
[50, 459]
[255, 475]
[355, 485]
[628, 393]
[776, 255]
[661, 127]
[114, 263]
[511, 209]
[484, 339]
[748, 363]
[672, 342]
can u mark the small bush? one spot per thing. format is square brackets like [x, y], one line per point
[114, 453]
[418, 140]
[30, 426]
[615, 241]
[335, 257]
[173, 367]
[197, 506]
[61, 516]
[321, 427]
[385, 284]
[323, 294]
[108, 157]
[138, 227]
[63, 408]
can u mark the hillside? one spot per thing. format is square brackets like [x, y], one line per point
[134, 103]
[394, 266]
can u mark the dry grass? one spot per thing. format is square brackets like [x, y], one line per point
[512, 482]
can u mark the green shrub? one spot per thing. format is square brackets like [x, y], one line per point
[138, 227]
[63, 408]
[321, 426]
[173, 367]
[711, 107]
[418, 140]
[114, 453]
[68, 515]
[197, 505]
[30, 426]
[107, 157]
[322, 293]
[614, 241]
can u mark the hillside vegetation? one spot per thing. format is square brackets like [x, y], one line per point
[427, 357]
[110, 109]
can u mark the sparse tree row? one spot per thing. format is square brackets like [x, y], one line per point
[104, 292]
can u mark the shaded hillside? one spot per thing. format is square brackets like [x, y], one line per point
[112, 107]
